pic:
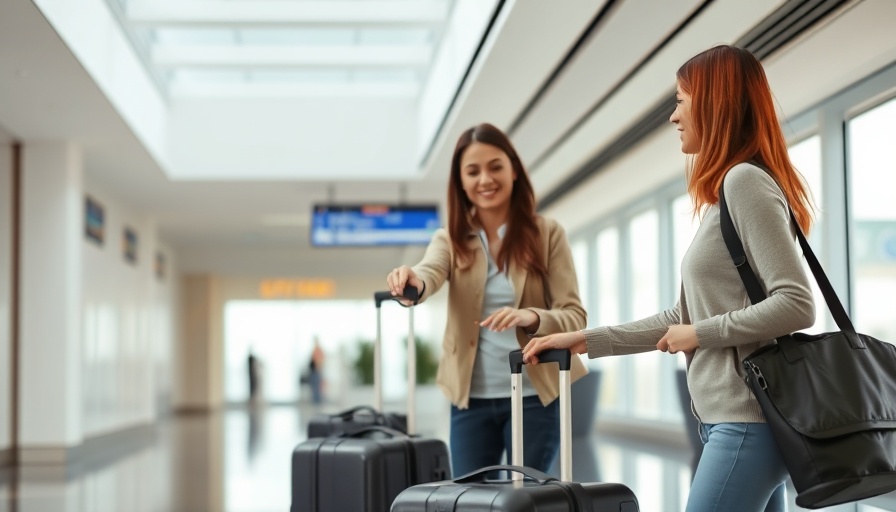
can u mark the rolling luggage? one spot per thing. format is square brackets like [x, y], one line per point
[356, 418]
[353, 420]
[528, 490]
[362, 470]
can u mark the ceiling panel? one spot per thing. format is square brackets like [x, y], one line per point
[722, 21]
[616, 47]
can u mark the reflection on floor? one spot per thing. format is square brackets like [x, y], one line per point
[238, 461]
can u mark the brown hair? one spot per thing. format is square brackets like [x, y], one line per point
[733, 115]
[523, 235]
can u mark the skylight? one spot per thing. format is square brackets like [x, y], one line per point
[195, 48]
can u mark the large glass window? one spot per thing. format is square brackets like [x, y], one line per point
[645, 300]
[607, 246]
[608, 277]
[649, 475]
[872, 180]
[644, 251]
[580, 260]
[806, 156]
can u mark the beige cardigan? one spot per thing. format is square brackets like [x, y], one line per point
[562, 312]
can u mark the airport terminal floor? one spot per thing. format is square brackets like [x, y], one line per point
[237, 460]
[190, 185]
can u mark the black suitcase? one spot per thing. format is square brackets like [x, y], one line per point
[528, 490]
[356, 418]
[363, 470]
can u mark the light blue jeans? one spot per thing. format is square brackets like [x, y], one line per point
[741, 469]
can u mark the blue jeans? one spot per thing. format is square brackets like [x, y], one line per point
[480, 435]
[741, 469]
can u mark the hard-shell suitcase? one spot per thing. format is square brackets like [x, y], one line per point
[356, 418]
[364, 469]
[528, 490]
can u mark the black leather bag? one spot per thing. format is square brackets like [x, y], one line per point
[830, 399]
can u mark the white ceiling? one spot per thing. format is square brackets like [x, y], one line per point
[236, 227]
[193, 47]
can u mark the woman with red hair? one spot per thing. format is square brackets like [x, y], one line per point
[728, 127]
[512, 277]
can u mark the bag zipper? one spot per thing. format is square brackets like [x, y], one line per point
[757, 372]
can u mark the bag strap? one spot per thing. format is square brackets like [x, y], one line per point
[754, 289]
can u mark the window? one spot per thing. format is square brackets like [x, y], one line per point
[608, 277]
[806, 156]
[611, 390]
[644, 250]
[580, 261]
[645, 300]
[872, 229]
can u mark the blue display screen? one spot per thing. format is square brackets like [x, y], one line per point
[370, 225]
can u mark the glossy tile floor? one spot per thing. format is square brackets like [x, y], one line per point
[238, 461]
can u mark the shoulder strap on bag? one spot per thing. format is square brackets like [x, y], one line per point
[755, 291]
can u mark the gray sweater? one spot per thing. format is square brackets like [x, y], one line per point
[714, 300]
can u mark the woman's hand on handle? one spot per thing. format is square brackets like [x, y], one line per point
[401, 277]
[574, 341]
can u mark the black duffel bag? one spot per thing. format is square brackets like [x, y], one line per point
[829, 399]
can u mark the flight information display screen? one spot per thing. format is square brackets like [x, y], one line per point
[372, 224]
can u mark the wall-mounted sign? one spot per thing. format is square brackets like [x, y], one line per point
[94, 221]
[129, 245]
[297, 289]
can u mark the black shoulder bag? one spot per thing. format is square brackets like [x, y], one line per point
[829, 399]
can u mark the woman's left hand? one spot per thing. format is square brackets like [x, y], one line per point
[507, 318]
[679, 338]
[574, 341]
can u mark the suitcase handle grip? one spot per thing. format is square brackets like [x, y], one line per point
[410, 293]
[479, 474]
[351, 413]
[561, 356]
[361, 432]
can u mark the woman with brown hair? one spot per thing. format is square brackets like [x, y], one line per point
[728, 126]
[512, 277]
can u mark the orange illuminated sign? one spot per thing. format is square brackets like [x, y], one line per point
[296, 288]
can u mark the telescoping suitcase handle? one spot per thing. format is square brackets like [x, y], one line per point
[409, 293]
[563, 357]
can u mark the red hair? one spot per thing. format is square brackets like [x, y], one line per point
[523, 236]
[733, 116]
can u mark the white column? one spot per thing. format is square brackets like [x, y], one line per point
[5, 295]
[50, 350]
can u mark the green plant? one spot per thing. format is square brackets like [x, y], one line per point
[364, 363]
[427, 364]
